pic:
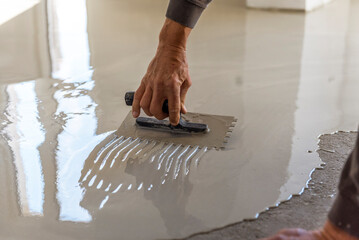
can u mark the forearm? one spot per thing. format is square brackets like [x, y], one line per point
[167, 76]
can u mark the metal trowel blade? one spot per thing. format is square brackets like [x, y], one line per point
[219, 127]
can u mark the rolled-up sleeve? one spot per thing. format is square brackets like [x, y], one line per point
[186, 12]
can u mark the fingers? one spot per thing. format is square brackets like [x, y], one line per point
[136, 100]
[156, 104]
[295, 232]
[174, 105]
[183, 108]
[292, 234]
[151, 101]
[153, 92]
[276, 237]
[184, 88]
[146, 101]
[280, 237]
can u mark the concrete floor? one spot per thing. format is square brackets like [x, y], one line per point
[307, 211]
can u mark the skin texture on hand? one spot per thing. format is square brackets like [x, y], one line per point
[167, 76]
[328, 232]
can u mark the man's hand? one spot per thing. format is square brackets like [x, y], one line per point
[167, 76]
[328, 232]
[296, 234]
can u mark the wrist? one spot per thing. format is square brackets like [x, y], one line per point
[173, 35]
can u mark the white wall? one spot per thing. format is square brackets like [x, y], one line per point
[306, 5]
[23, 41]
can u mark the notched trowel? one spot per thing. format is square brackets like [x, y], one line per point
[195, 129]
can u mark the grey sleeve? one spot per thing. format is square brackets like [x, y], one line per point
[345, 210]
[186, 12]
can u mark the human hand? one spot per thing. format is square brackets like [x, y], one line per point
[295, 234]
[328, 232]
[167, 76]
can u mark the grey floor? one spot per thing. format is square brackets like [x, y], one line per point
[308, 210]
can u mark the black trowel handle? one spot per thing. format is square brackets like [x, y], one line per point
[129, 100]
[183, 125]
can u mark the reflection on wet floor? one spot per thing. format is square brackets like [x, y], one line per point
[24, 134]
[65, 66]
[70, 58]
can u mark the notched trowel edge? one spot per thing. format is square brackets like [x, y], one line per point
[220, 128]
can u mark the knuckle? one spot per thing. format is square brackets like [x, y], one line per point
[172, 84]
[137, 96]
[189, 83]
[159, 84]
[155, 110]
[144, 105]
[174, 110]
[159, 116]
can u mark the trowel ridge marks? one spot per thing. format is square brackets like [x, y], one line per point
[219, 127]
[126, 164]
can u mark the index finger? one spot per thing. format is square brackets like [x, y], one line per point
[136, 101]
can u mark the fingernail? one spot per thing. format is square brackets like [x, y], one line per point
[134, 114]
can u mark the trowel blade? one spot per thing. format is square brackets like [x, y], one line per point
[219, 127]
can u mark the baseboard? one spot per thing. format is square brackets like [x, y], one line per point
[305, 5]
